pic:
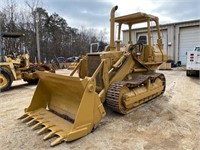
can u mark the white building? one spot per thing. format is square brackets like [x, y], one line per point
[177, 38]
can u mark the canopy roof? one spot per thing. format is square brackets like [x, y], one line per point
[138, 17]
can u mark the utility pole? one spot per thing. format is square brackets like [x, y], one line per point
[37, 38]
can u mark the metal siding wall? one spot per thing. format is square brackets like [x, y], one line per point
[188, 39]
[125, 37]
[164, 37]
[171, 42]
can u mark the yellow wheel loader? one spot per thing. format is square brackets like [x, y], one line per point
[70, 107]
[17, 66]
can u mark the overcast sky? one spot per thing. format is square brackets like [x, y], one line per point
[95, 13]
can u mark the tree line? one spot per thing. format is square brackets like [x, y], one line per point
[56, 37]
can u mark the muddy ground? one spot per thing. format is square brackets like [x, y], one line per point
[170, 122]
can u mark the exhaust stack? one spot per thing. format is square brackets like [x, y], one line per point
[112, 27]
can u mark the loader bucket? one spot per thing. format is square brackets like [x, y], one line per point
[66, 106]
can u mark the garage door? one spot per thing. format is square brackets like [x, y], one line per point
[155, 37]
[189, 38]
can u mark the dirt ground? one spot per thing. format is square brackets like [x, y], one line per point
[170, 122]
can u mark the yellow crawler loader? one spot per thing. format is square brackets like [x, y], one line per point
[70, 107]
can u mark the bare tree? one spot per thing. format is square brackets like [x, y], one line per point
[102, 35]
[56, 37]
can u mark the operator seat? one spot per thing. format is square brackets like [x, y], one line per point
[142, 39]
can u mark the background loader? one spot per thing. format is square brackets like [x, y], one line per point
[16, 65]
[123, 77]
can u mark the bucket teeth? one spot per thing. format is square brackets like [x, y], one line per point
[31, 115]
[57, 141]
[26, 119]
[23, 116]
[31, 122]
[51, 134]
[41, 131]
[36, 125]
[48, 123]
